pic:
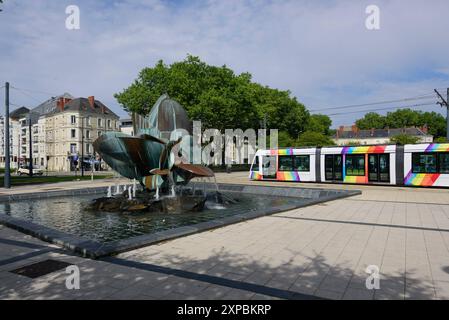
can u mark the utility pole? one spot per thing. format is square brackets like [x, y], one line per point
[30, 144]
[7, 179]
[445, 104]
[82, 147]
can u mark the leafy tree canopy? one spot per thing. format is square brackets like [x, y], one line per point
[284, 140]
[216, 96]
[402, 139]
[311, 139]
[319, 123]
[371, 120]
[401, 118]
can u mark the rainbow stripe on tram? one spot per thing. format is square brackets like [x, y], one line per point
[437, 147]
[287, 176]
[285, 152]
[421, 179]
[256, 176]
[369, 149]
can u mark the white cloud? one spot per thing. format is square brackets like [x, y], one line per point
[321, 51]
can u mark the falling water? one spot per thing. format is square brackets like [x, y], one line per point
[134, 188]
[156, 196]
[130, 196]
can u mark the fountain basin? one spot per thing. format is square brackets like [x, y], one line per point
[57, 217]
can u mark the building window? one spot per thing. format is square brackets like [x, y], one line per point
[88, 134]
[73, 148]
[443, 162]
[99, 122]
[88, 120]
[355, 165]
[424, 163]
[87, 148]
[109, 124]
[73, 133]
[302, 163]
[99, 133]
[72, 119]
[285, 163]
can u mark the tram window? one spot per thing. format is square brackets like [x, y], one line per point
[424, 163]
[302, 163]
[355, 165]
[255, 166]
[285, 163]
[444, 162]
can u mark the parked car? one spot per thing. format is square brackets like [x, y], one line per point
[26, 171]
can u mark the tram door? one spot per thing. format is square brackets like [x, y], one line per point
[269, 167]
[379, 167]
[333, 166]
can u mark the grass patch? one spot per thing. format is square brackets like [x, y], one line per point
[25, 180]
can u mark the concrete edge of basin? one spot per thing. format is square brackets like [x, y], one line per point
[94, 250]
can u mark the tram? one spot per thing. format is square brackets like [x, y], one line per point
[422, 165]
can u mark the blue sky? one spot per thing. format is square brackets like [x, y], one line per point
[319, 50]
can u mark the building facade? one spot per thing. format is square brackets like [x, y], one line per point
[14, 137]
[71, 129]
[353, 135]
[63, 130]
[126, 126]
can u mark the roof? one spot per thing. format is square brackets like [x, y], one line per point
[50, 105]
[379, 133]
[83, 105]
[19, 113]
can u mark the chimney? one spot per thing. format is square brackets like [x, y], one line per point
[60, 103]
[91, 101]
[424, 129]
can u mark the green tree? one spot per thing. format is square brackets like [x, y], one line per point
[402, 118]
[403, 138]
[216, 96]
[284, 140]
[435, 123]
[440, 140]
[311, 139]
[319, 123]
[371, 120]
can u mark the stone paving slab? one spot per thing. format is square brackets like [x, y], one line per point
[320, 251]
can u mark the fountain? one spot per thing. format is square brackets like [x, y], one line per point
[148, 158]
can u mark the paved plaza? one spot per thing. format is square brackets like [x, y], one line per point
[319, 251]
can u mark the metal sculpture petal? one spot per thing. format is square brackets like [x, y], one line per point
[146, 156]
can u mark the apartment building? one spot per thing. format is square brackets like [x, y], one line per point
[70, 130]
[14, 137]
[126, 126]
[63, 129]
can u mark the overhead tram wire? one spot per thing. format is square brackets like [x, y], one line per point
[36, 91]
[383, 109]
[422, 97]
[26, 94]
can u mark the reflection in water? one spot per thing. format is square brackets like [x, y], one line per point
[67, 214]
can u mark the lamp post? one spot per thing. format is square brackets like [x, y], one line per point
[7, 179]
[82, 147]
